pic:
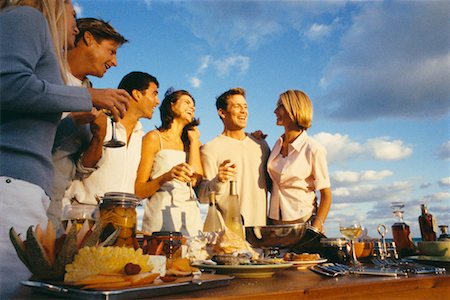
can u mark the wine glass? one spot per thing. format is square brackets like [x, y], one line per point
[192, 196]
[351, 230]
[114, 142]
[80, 213]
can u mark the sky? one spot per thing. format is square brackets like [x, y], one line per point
[377, 72]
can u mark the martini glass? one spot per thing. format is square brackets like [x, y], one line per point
[113, 142]
[351, 230]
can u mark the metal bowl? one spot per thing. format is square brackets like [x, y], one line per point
[275, 236]
[434, 248]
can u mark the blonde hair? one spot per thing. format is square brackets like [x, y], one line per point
[54, 12]
[299, 107]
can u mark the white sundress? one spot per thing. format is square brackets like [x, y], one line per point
[170, 208]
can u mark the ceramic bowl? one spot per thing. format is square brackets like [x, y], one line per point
[435, 248]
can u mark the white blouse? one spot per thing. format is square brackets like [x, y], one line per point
[296, 177]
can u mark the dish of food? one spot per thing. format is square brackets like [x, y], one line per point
[303, 260]
[303, 264]
[246, 271]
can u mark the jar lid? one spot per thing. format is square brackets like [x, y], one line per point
[119, 198]
[167, 233]
[333, 242]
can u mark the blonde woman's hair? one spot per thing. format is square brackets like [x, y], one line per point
[299, 107]
[54, 12]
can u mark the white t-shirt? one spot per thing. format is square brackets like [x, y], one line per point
[117, 168]
[296, 177]
[250, 156]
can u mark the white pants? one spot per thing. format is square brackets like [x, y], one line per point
[21, 204]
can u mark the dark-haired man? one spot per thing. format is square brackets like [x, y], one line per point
[236, 155]
[117, 168]
[95, 51]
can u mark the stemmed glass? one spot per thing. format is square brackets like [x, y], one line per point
[351, 230]
[192, 196]
[114, 142]
[80, 213]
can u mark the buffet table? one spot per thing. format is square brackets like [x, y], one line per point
[304, 284]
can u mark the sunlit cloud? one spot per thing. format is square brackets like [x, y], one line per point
[339, 147]
[444, 151]
[230, 23]
[350, 177]
[195, 82]
[78, 9]
[370, 192]
[389, 70]
[385, 149]
[444, 182]
[223, 67]
[320, 31]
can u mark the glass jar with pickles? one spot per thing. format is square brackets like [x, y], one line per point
[119, 210]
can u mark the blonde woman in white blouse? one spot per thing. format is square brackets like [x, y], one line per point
[297, 166]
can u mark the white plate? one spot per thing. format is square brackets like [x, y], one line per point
[246, 271]
[303, 264]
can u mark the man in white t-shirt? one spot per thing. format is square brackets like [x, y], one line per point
[236, 155]
[95, 51]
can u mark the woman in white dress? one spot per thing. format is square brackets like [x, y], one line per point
[170, 168]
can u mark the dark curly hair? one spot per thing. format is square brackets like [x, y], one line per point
[167, 114]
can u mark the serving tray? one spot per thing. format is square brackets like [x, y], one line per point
[181, 285]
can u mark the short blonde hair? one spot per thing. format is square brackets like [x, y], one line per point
[298, 106]
[54, 12]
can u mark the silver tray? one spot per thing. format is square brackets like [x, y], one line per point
[149, 291]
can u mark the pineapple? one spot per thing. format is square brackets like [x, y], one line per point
[104, 260]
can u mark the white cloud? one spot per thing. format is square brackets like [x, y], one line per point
[444, 151]
[320, 31]
[339, 147]
[444, 181]
[227, 24]
[359, 193]
[148, 3]
[383, 148]
[224, 66]
[195, 82]
[350, 177]
[440, 196]
[204, 64]
[389, 70]
[372, 175]
[78, 9]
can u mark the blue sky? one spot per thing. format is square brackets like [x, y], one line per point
[378, 74]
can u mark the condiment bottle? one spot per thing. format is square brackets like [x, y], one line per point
[427, 224]
[444, 233]
[213, 220]
[402, 233]
[233, 219]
